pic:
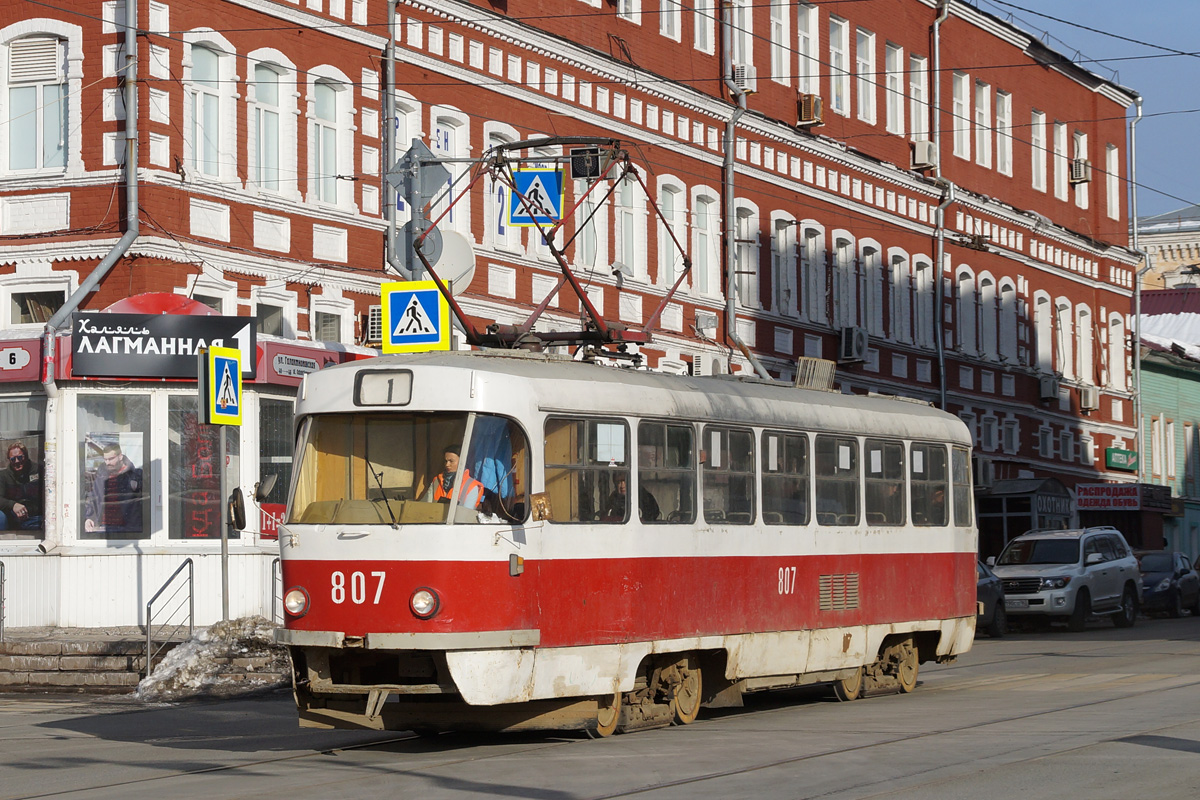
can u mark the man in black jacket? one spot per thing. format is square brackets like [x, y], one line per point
[114, 504]
[20, 491]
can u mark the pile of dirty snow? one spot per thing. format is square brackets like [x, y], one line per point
[230, 658]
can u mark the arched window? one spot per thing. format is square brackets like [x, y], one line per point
[408, 127]
[1064, 337]
[672, 202]
[1085, 371]
[813, 271]
[497, 233]
[968, 323]
[1008, 321]
[1043, 331]
[924, 302]
[36, 102]
[706, 239]
[783, 263]
[900, 297]
[1116, 352]
[204, 100]
[591, 243]
[845, 281]
[271, 123]
[746, 262]
[988, 328]
[451, 139]
[871, 293]
[629, 208]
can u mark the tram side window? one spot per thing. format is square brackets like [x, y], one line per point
[837, 480]
[785, 478]
[498, 459]
[884, 481]
[929, 481]
[586, 459]
[960, 464]
[666, 473]
[729, 476]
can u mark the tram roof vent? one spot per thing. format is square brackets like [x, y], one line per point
[815, 373]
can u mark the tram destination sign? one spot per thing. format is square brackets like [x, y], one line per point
[155, 345]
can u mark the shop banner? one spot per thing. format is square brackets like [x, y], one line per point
[1108, 497]
[155, 345]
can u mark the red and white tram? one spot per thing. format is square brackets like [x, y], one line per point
[780, 536]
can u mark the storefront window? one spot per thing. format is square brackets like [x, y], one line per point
[22, 428]
[113, 458]
[275, 446]
[194, 504]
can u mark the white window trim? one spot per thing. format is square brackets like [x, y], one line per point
[345, 129]
[713, 231]
[275, 293]
[871, 295]
[781, 35]
[918, 92]
[227, 92]
[1037, 149]
[1004, 133]
[784, 262]
[635, 217]
[749, 285]
[864, 69]
[839, 66]
[814, 278]
[670, 259]
[704, 26]
[224, 290]
[983, 124]
[960, 117]
[332, 302]
[670, 19]
[73, 35]
[289, 113]
[843, 285]
[1112, 178]
[894, 100]
[510, 241]
[461, 122]
[33, 276]
[599, 222]
[900, 295]
[1061, 165]
[808, 37]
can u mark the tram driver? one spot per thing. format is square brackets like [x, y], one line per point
[443, 484]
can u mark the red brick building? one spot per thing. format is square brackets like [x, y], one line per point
[875, 136]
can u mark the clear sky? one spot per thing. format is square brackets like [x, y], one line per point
[1168, 164]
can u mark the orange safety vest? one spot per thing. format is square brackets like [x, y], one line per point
[470, 496]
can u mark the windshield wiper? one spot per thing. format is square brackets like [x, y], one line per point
[378, 476]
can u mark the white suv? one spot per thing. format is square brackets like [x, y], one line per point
[1070, 574]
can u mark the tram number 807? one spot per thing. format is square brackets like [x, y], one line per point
[787, 580]
[358, 587]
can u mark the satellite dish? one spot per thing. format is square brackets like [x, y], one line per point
[455, 264]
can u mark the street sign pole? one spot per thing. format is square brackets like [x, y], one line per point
[224, 530]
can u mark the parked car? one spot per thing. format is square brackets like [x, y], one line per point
[1168, 582]
[989, 595]
[1070, 575]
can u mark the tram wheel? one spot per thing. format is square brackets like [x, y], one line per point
[608, 715]
[851, 688]
[906, 669]
[685, 697]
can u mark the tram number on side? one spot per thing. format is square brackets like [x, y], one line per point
[357, 588]
[787, 580]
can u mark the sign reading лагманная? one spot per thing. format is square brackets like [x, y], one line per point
[154, 345]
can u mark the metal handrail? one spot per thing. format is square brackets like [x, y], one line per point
[1, 601]
[276, 591]
[191, 612]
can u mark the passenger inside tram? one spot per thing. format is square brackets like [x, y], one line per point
[648, 510]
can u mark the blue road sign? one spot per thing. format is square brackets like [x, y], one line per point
[543, 191]
[416, 317]
[223, 386]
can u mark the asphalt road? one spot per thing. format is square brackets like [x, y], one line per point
[1102, 714]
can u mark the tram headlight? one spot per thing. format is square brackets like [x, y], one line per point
[295, 601]
[424, 603]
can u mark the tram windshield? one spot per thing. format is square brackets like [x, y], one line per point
[392, 469]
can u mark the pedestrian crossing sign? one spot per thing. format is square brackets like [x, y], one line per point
[542, 189]
[416, 317]
[223, 386]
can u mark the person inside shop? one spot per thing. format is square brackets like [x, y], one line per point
[648, 509]
[20, 491]
[443, 484]
[114, 504]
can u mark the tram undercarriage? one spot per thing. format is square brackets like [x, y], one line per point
[413, 690]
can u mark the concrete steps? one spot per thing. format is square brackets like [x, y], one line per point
[71, 664]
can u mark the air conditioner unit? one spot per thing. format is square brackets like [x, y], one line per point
[983, 472]
[1081, 171]
[924, 154]
[810, 110]
[1089, 398]
[706, 323]
[374, 327]
[853, 345]
[1048, 387]
[745, 76]
[706, 364]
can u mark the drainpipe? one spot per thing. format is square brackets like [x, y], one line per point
[939, 234]
[1139, 437]
[389, 146]
[730, 207]
[89, 284]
